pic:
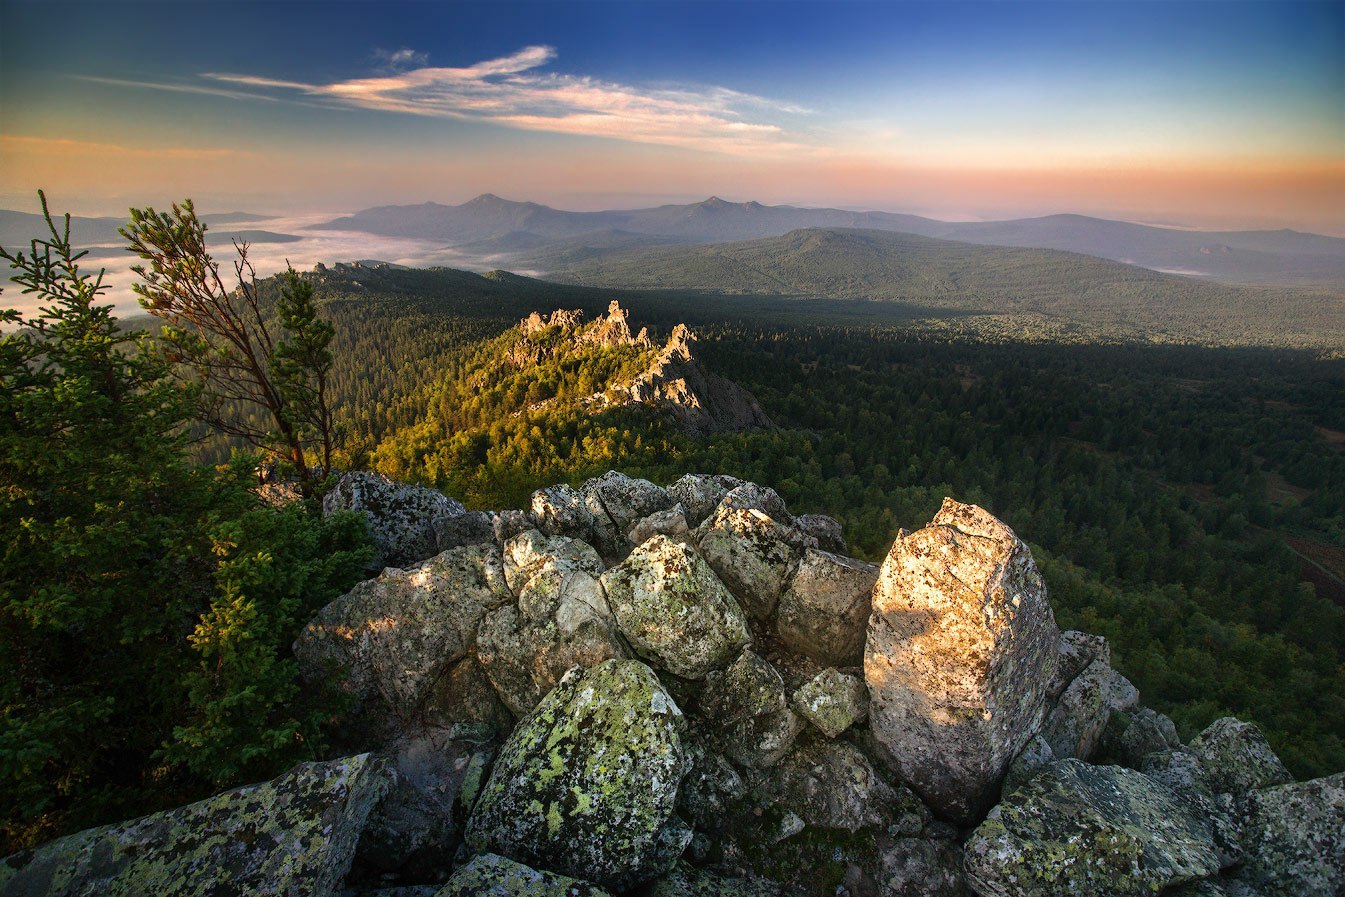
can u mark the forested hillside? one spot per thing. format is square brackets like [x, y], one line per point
[1106, 298]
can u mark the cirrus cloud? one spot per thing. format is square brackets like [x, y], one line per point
[509, 91]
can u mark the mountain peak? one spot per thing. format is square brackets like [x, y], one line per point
[488, 199]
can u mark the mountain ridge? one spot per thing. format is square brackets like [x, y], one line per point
[1250, 256]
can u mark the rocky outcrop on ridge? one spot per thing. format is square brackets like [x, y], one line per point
[631, 689]
[674, 383]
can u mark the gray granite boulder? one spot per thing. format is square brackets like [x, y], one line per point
[832, 701]
[832, 785]
[389, 639]
[586, 785]
[1077, 651]
[921, 867]
[617, 503]
[746, 709]
[295, 834]
[824, 611]
[961, 645]
[1141, 733]
[752, 552]
[673, 610]
[1101, 831]
[688, 881]
[1237, 757]
[1075, 725]
[562, 619]
[560, 510]
[401, 517]
[826, 530]
[699, 495]
[1295, 841]
[491, 875]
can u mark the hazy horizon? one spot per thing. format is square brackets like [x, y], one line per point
[1201, 114]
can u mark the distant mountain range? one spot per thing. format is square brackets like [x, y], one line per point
[545, 237]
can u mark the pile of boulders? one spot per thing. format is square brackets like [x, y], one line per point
[633, 689]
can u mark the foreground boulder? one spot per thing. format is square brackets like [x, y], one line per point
[1295, 837]
[388, 640]
[586, 785]
[1079, 718]
[1088, 830]
[673, 610]
[561, 620]
[402, 518]
[295, 834]
[491, 875]
[824, 612]
[1237, 758]
[961, 648]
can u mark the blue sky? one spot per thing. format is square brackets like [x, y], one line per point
[1204, 112]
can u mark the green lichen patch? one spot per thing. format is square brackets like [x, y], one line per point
[833, 701]
[293, 835]
[1102, 831]
[586, 785]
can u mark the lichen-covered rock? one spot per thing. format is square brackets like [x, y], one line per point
[1035, 755]
[832, 701]
[1142, 733]
[562, 619]
[471, 528]
[1295, 840]
[560, 510]
[538, 568]
[832, 785]
[752, 553]
[618, 502]
[393, 636]
[491, 875]
[586, 785]
[824, 611]
[510, 523]
[1237, 757]
[699, 495]
[1100, 831]
[710, 789]
[688, 881]
[401, 516]
[921, 867]
[746, 708]
[295, 834]
[1077, 651]
[826, 530]
[1076, 723]
[750, 496]
[673, 610]
[671, 523]
[961, 644]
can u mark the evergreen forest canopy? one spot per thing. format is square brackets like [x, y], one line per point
[1186, 501]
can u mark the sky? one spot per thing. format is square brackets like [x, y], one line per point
[1206, 114]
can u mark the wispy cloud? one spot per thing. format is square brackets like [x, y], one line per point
[510, 91]
[395, 60]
